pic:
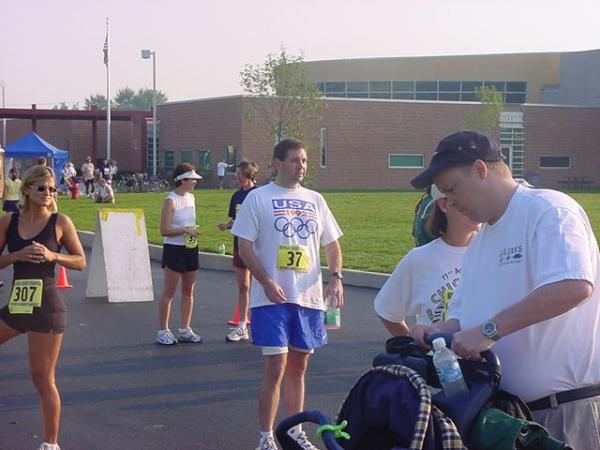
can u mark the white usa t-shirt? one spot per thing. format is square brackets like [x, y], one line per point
[422, 284]
[543, 237]
[272, 217]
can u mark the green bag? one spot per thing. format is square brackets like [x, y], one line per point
[423, 210]
[496, 430]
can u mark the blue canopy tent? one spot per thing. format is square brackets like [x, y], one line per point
[33, 146]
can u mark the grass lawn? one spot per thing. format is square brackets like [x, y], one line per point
[376, 225]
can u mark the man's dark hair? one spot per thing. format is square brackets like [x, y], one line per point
[281, 149]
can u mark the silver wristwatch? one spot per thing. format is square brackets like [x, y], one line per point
[490, 330]
[337, 275]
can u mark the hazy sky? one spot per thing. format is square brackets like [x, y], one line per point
[51, 51]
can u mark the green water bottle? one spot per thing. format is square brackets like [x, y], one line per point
[221, 249]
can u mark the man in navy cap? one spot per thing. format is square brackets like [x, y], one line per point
[527, 287]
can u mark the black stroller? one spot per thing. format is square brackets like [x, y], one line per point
[391, 406]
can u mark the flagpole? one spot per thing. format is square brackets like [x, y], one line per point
[107, 62]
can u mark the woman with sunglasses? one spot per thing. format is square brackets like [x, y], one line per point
[34, 238]
[180, 255]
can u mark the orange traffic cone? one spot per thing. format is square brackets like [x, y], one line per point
[236, 316]
[62, 279]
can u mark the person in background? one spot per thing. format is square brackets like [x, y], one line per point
[104, 193]
[87, 171]
[34, 238]
[180, 255]
[41, 161]
[245, 174]
[12, 192]
[113, 169]
[281, 228]
[221, 168]
[105, 170]
[425, 279]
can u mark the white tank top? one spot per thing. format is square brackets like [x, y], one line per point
[184, 215]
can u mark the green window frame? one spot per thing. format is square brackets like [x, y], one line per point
[230, 158]
[204, 160]
[187, 156]
[405, 160]
[169, 161]
[555, 162]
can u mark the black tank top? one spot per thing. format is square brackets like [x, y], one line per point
[24, 270]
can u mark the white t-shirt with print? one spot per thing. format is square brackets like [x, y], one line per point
[422, 284]
[543, 237]
[272, 217]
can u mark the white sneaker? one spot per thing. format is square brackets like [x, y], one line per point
[267, 444]
[238, 334]
[46, 446]
[187, 335]
[165, 337]
[301, 439]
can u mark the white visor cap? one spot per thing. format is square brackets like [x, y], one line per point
[191, 174]
[436, 194]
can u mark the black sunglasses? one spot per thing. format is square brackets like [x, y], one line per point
[43, 188]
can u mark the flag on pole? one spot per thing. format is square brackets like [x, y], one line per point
[105, 49]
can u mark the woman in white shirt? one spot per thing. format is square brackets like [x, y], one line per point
[424, 280]
[180, 255]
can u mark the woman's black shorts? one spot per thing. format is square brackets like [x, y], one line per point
[179, 258]
[51, 317]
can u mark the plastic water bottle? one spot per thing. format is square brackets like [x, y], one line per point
[333, 319]
[221, 249]
[448, 370]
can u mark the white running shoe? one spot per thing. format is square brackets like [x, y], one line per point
[238, 334]
[165, 337]
[46, 446]
[187, 335]
[267, 444]
[301, 439]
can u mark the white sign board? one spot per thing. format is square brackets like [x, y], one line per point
[120, 267]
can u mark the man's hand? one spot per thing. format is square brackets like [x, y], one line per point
[335, 288]
[274, 292]
[470, 343]
[420, 332]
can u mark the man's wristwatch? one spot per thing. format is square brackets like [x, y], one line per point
[338, 275]
[490, 330]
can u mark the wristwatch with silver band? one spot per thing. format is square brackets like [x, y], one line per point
[337, 275]
[490, 330]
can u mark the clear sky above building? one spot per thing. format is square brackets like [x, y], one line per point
[51, 51]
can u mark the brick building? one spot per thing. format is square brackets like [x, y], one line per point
[382, 118]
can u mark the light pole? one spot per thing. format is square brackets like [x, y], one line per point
[147, 54]
[4, 119]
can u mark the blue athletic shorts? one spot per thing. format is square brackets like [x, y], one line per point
[288, 325]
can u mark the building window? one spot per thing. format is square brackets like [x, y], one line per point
[555, 162]
[204, 160]
[187, 157]
[230, 158]
[405, 161]
[169, 161]
[323, 147]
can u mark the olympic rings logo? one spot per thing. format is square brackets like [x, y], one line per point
[296, 226]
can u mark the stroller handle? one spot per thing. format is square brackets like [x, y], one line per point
[488, 355]
[317, 417]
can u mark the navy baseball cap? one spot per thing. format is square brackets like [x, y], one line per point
[459, 148]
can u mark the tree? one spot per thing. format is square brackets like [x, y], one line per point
[124, 99]
[127, 99]
[98, 100]
[284, 94]
[142, 100]
[63, 106]
[485, 118]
